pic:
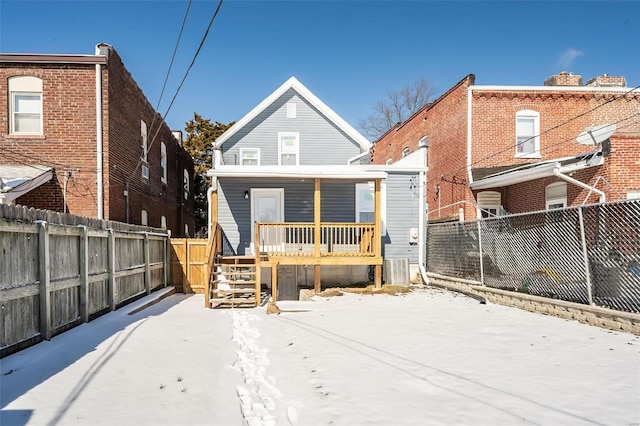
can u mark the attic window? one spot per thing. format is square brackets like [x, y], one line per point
[291, 110]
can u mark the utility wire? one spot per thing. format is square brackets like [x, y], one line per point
[195, 56]
[173, 56]
[614, 98]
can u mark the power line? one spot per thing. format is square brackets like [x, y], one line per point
[195, 56]
[614, 98]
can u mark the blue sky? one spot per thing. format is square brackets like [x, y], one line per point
[349, 53]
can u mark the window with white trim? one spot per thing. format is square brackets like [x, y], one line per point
[489, 203]
[25, 99]
[185, 184]
[528, 134]
[144, 147]
[405, 151]
[633, 194]
[365, 203]
[292, 110]
[163, 222]
[389, 161]
[249, 156]
[144, 218]
[163, 162]
[289, 148]
[556, 196]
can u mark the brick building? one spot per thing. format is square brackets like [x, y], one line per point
[510, 149]
[79, 136]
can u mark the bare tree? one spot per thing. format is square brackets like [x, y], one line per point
[397, 107]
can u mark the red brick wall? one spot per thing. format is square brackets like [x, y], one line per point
[444, 122]
[127, 107]
[69, 145]
[68, 142]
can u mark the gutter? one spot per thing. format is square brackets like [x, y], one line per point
[357, 157]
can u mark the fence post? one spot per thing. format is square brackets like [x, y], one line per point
[166, 260]
[45, 276]
[111, 268]
[147, 270]
[84, 273]
[585, 257]
[480, 252]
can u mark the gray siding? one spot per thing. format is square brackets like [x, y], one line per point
[321, 142]
[402, 214]
[234, 212]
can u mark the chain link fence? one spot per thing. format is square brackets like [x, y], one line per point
[588, 254]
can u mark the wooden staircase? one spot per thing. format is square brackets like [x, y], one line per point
[233, 283]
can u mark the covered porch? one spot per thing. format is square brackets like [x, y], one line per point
[316, 243]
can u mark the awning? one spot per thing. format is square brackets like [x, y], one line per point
[339, 172]
[519, 174]
[16, 181]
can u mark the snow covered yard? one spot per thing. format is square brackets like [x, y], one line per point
[427, 357]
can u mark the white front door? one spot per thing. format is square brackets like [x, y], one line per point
[267, 206]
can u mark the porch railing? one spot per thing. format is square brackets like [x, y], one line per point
[300, 240]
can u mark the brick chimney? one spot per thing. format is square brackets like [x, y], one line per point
[564, 78]
[606, 80]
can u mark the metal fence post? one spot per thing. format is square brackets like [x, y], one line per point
[480, 252]
[45, 276]
[84, 273]
[585, 257]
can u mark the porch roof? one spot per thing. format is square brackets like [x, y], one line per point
[17, 180]
[528, 172]
[339, 172]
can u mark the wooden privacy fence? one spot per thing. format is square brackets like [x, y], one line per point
[54, 277]
[188, 265]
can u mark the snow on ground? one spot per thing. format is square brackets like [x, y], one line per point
[429, 357]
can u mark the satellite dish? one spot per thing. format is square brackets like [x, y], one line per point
[595, 135]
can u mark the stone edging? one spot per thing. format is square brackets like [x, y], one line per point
[593, 315]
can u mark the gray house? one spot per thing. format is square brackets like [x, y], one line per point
[293, 195]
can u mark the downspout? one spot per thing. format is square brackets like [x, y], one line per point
[469, 137]
[212, 188]
[99, 182]
[558, 173]
[357, 157]
[422, 187]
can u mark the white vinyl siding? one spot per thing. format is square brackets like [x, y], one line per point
[289, 148]
[527, 134]
[249, 156]
[25, 93]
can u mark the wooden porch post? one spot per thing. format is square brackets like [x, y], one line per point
[317, 234]
[274, 282]
[377, 241]
[256, 252]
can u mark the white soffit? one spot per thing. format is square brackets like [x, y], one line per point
[297, 172]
